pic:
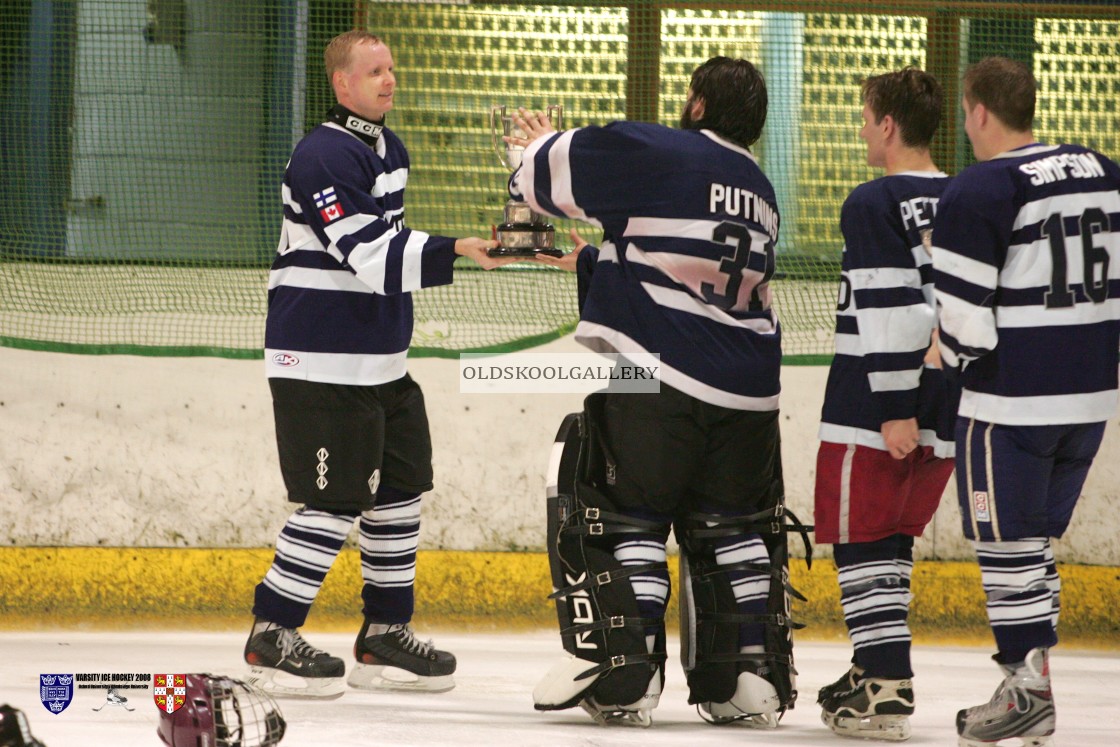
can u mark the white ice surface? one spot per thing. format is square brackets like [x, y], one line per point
[492, 703]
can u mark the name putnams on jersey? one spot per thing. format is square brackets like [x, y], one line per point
[739, 202]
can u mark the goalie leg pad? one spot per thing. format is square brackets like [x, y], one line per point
[601, 626]
[726, 680]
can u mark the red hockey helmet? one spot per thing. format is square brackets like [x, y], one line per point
[222, 712]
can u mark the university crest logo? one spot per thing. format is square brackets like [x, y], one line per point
[169, 691]
[56, 691]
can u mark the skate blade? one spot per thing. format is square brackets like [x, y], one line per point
[887, 728]
[381, 677]
[641, 719]
[759, 721]
[283, 685]
[1046, 741]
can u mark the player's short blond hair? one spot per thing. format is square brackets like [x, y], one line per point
[337, 54]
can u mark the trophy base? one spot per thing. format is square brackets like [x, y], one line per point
[512, 251]
[525, 240]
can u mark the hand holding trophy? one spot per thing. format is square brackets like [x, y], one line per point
[523, 233]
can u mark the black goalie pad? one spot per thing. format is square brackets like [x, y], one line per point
[595, 605]
[710, 616]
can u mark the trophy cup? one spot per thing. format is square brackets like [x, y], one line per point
[523, 233]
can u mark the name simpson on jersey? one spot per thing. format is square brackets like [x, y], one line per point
[736, 201]
[1054, 168]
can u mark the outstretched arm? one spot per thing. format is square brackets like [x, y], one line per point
[476, 248]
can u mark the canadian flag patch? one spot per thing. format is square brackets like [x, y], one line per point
[331, 212]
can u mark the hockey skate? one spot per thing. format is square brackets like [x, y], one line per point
[847, 681]
[390, 657]
[754, 704]
[1022, 707]
[874, 709]
[638, 713]
[283, 664]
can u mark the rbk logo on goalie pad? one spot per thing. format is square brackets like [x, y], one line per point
[582, 611]
[169, 691]
[56, 691]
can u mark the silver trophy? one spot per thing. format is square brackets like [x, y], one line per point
[523, 233]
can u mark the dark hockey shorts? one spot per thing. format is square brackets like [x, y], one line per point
[675, 453]
[1019, 481]
[339, 443]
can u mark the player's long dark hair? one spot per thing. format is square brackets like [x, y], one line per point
[734, 94]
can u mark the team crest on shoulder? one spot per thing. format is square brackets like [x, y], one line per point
[169, 691]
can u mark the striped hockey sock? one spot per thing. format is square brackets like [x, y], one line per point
[1021, 605]
[651, 588]
[389, 534]
[751, 588]
[305, 551]
[875, 596]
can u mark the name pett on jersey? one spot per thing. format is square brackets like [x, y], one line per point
[885, 316]
[689, 224]
[1027, 270]
[339, 307]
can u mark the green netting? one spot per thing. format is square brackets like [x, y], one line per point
[144, 141]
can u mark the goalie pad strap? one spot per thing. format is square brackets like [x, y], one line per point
[736, 617]
[598, 514]
[758, 658]
[602, 579]
[621, 661]
[616, 621]
[785, 521]
[600, 529]
[776, 575]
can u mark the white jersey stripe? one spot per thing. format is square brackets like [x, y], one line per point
[388, 183]
[314, 279]
[603, 339]
[1093, 407]
[411, 261]
[847, 434]
[876, 278]
[682, 301]
[364, 369]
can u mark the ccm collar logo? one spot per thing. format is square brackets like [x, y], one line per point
[364, 127]
[287, 360]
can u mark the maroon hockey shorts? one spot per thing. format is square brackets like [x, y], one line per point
[864, 494]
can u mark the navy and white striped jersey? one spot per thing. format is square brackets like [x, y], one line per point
[885, 316]
[339, 307]
[1027, 271]
[689, 228]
